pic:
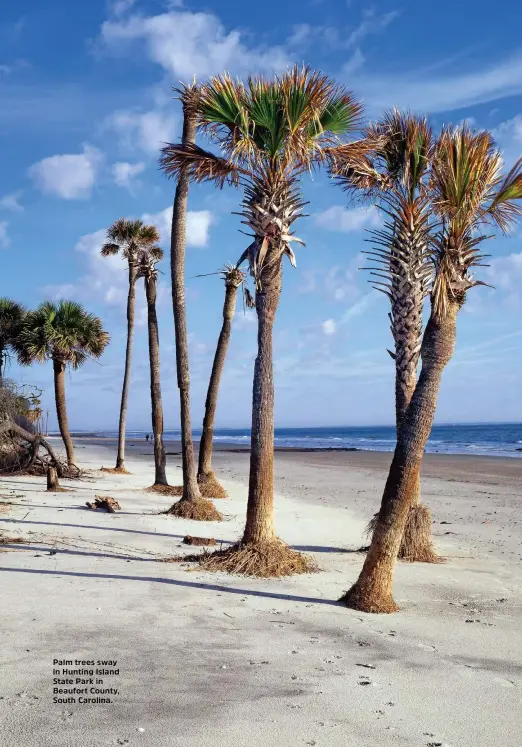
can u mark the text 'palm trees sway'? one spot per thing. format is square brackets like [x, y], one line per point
[438, 193]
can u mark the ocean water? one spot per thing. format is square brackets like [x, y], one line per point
[495, 439]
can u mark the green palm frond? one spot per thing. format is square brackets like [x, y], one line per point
[62, 331]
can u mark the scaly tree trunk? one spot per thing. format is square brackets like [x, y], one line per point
[160, 477]
[372, 591]
[131, 304]
[260, 508]
[61, 411]
[205, 471]
[177, 259]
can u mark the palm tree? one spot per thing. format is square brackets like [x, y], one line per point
[467, 192]
[191, 505]
[208, 483]
[66, 334]
[128, 238]
[148, 271]
[11, 319]
[401, 268]
[270, 132]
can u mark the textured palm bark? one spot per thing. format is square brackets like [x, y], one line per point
[260, 508]
[372, 591]
[61, 411]
[178, 241]
[160, 476]
[131, 304]
[205, 471]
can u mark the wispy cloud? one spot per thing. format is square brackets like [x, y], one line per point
[339, 218]
[448, 91]
[12, 202]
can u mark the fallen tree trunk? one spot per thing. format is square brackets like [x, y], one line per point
[32, 451]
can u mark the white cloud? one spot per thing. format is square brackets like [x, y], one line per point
[198, 225]
[341, 37]
[69, 176]
[12, 202]
[124, 173]
[422, 92]
[359, 307]
[187, 44]
[245, 319]
[120, 7]
[338, 218]
[508, 135]
[329, 327]
[370, 24]
[145, 130]
[4, 238]
[505, 274]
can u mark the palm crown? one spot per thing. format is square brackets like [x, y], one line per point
[64, 332]
[268, 132]
[133, 239]
[468, 192]
[12, 315]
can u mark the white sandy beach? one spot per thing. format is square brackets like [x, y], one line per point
[212, 660]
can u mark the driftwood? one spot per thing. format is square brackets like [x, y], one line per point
[189, 540]
[21, 452]
[105, 502]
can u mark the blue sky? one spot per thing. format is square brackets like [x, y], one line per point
[86, 103]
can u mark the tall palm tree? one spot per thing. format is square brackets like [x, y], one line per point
[401, 268]
[66, 334]
[191, 505]
[208, 483]
[128, 238]
[12, 315]
[468, 192]
[147, 270]
[269, 132]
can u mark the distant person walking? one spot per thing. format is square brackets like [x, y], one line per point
[147, 437]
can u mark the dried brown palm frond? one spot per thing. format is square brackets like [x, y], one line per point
[202, 165]
[468, 192]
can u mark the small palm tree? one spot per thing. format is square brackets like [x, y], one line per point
[208, 483]
[467, 192]
[12, 315]
[128, 238]
[269, 132]
[401, 267]
[147, 270]
[68, 335]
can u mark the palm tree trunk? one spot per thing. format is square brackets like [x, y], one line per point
[372, 591]
[205, 471]
[1, 362]
[177, 259]
[131, 303]
[260, 508]
[160, 477]
[61, 411]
